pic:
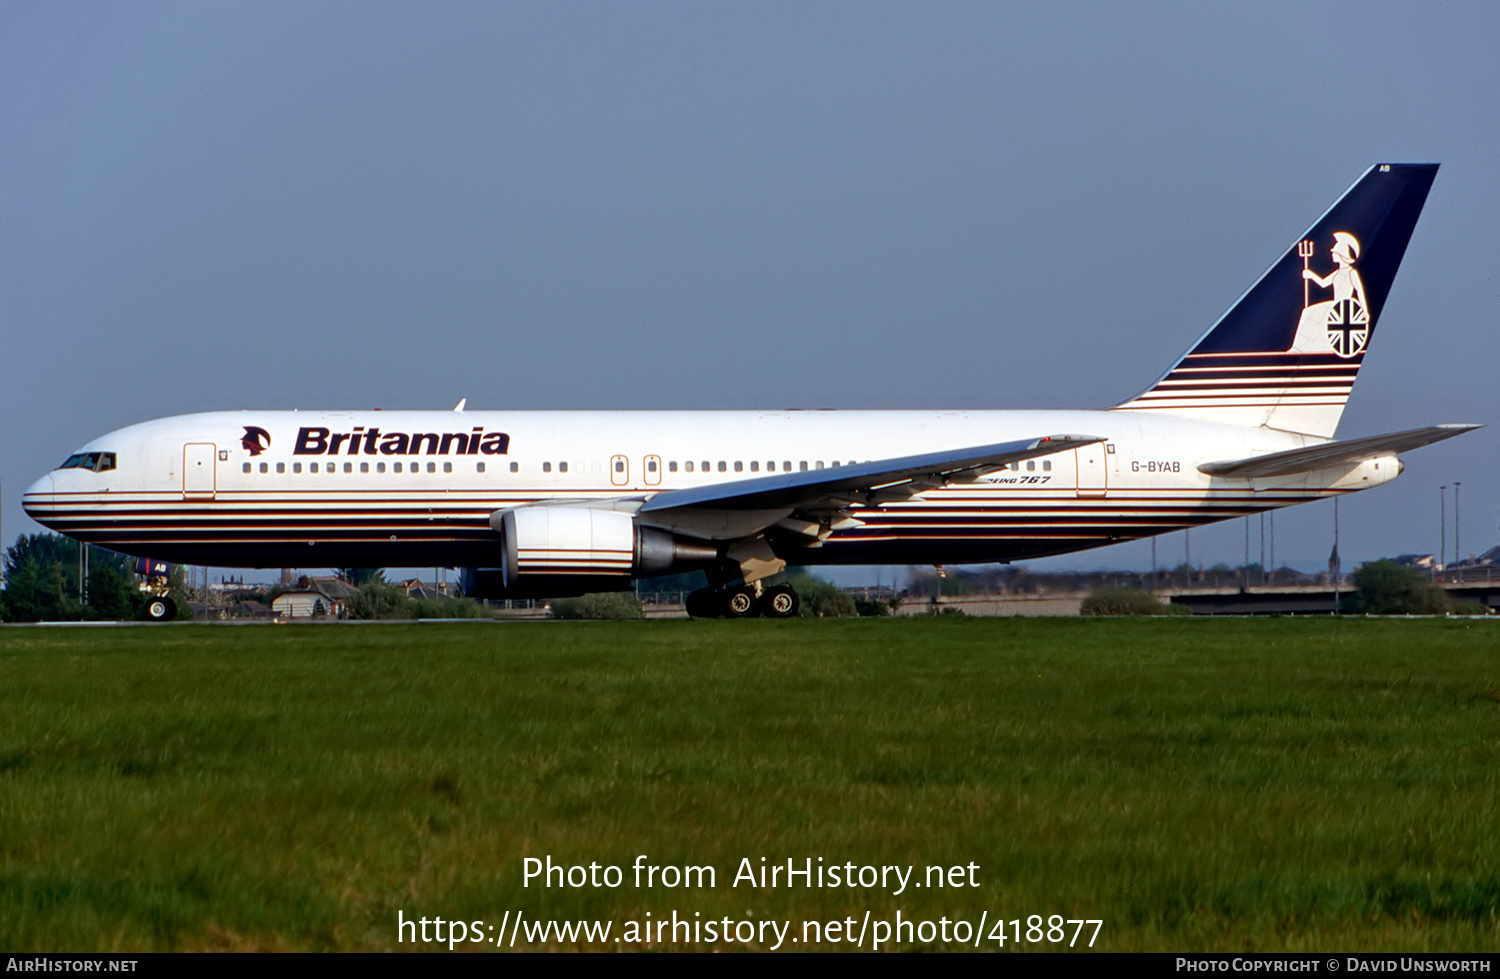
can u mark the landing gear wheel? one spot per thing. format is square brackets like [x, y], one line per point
[701, 604]
[740, 603]
[160, 610]
[780, 602]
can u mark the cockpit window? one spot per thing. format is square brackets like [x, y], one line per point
[96, 461]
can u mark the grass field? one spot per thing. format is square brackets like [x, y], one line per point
[1196, 784]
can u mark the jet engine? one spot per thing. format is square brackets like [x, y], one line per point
[553, 551]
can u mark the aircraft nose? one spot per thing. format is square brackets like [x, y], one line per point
[38, 499]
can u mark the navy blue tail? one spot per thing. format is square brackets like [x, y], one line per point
[1286, 355]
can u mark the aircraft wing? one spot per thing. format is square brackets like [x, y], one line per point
[746, 506]
[1328, 454]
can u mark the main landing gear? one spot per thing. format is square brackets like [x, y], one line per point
[159, 608]
[744, 602]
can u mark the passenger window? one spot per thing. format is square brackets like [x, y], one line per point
[296, 467]
[619, 465]
[380, 467]
[650, 465]
[312, 467]
[802, 465]
[1046, 465]
[722, 466]
[786, 465]
[447, 467]
[396, 466]
[1030, 465]
[562, 467]
[546, 467]
[1015, 467]
[364, 467]
[247, 468]
[739, 467]
[281, 467]
[432, 467]
[264, 467]
[348, 467]
[705, 465]
[671, 467]
[818, 464]
[689, 465]
[479, 467]
[515, 467]
[755, 465]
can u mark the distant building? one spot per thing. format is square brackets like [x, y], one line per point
[314, 598]
[249, 608]
[1489, 559]
[1427, 562]
[417, 588]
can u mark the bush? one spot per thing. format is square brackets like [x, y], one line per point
[1386, 588]
[447, 608]
[602, 605]
[870, 608]
[1126, 601]
[377, 600]
[822, 599]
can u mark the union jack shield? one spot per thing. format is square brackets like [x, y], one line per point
[1348, 328]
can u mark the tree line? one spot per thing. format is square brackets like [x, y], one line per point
[42, 578]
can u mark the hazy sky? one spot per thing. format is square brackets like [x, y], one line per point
[664, 205]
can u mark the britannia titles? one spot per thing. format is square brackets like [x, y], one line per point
[322, 442]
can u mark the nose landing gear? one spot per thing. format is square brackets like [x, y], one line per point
[160, 609]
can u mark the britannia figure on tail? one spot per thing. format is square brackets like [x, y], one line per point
[1341, 324]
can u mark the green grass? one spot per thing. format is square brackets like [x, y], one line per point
[1198, 784]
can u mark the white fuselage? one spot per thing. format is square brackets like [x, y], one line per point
[417, 488]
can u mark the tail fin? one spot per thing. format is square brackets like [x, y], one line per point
[1285, 356]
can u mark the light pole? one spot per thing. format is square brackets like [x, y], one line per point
[1442, 524]
[1246, 566]
[1334, 565]
[1457, 553]
[1262, 547]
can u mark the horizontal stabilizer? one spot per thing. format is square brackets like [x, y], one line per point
[905, 476]
[1314, 457]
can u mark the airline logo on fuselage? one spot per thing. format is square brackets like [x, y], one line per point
[256, 440]
[322, 442]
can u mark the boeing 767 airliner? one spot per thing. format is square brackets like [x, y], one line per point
[533, 503]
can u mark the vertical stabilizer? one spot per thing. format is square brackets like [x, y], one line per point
[1285, 356]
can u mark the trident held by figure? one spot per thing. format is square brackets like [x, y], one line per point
[1305, 249]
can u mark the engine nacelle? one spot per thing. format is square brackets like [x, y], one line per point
[557, 551]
